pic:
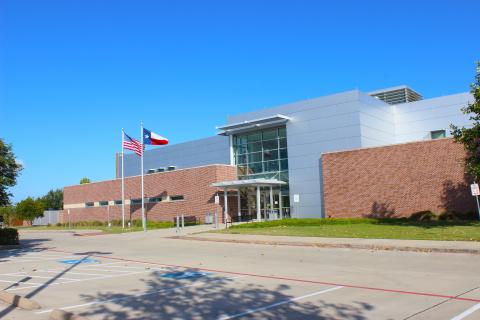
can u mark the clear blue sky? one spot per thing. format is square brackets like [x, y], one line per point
[73, 73]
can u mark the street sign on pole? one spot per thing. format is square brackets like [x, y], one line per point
[476, 192]
[475, 189]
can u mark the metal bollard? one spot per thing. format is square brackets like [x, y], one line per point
[183, 221]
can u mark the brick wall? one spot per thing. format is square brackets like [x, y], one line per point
[193, 184]
[396, 180]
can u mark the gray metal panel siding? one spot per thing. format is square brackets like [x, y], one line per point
[211, 150]
[415, 120]
[318, 125]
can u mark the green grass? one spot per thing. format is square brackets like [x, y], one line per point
[364, 228]
[96, 225]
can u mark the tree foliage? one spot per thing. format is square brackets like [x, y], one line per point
[29, 209]
[8, 213]
[84, 180]
[53, 200]
[470, 137]
[9, 170]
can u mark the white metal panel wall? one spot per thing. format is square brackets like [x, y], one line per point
[377, 122]
[211, 150]
[414, 121]
[318, 125]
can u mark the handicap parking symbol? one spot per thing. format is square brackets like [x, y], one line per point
[77, 261]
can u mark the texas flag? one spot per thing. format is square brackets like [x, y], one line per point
[152, 138]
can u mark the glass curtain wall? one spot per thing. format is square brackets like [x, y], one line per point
[263, 154]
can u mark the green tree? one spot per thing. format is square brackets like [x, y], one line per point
[53, 200]
[29, 209]
[84, 180]
[8, 213]
[9, 170]
[470, 137]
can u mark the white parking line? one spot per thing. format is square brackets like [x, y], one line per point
[467, 312]
[139, 294]
[270, 306]
[19, 282]
[40, 277]
[87, 279]
[71, 272]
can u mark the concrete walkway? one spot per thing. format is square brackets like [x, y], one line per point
[352, 243]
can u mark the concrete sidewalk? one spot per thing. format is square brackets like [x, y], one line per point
[352, 243]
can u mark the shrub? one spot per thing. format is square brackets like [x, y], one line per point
[454, 215]
[423, 216]
[8, 236]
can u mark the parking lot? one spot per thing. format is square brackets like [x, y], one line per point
[142, 276]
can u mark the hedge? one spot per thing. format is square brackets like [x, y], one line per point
[8, 236]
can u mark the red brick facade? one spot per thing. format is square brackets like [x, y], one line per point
[193, 184]
[396, 180]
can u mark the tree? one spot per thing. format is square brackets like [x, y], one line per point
[8, 213]
[9, 170]
[84, 180]
[29, 209]
[470, 137]
[53, 200]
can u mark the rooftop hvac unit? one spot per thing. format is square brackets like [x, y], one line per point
[171, 168]
[151, 171]
[160, 170]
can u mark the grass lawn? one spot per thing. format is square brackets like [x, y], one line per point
[112, 229]
[364, 228]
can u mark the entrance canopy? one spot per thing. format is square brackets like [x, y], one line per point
[249, 183]
[254, 124]
[237, 184]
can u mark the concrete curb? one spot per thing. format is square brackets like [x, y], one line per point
[58, 314]
[19, 301]
[334, 245]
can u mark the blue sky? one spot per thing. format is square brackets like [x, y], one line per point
[73, 73]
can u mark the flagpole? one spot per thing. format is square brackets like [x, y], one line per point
[144, 222]
[123, 183]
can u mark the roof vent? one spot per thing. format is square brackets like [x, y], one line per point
[396, 95]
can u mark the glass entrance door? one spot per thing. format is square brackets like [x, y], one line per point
[270, 210]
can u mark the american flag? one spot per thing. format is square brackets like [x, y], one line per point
[132, 144]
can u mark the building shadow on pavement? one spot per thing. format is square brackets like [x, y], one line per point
[212, 297]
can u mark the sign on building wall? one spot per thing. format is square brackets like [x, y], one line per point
[296, 198]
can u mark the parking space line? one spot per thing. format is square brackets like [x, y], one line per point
[103, 269]
[467, 312]
[273, 305]
[19, 282]
[40, 277]
[196, 284]
[71, 272]
[415, 293]
[87, 279]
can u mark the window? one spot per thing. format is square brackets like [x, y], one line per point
[88, 204]
[118, 202]
[136, 201]
[155, 200]
[262, 154]
[438, 134]
[103, 203]
[176, 198]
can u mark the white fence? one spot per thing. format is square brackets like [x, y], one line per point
[49, 217]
